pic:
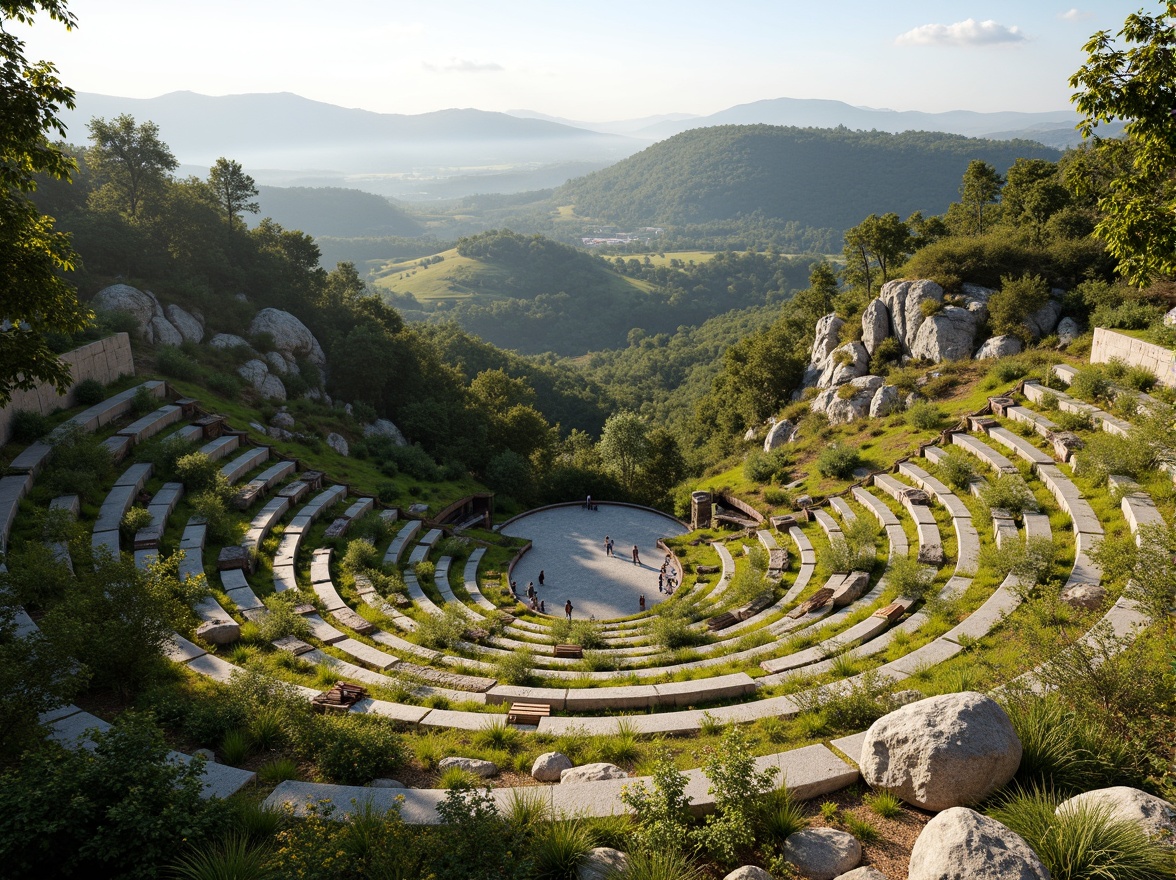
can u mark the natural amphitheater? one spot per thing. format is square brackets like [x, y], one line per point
[872, 577]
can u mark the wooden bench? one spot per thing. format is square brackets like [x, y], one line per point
[527, 713]
[721, 621]
[891, 612]
[574, 652]
[339, 698]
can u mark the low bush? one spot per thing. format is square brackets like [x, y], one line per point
[559, 847]
[764, 467]
[957, 470]
[1008, 492]
[442, 631]
[1073, 421]
[838, 460]
[282, 620]
[144, 402]
[173, 362]
[925, 416]
[89, 392]
[517, 667]
[352, 749]
[28, 426]
[911, 579]
[361, 554]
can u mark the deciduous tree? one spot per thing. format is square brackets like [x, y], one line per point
[979, 191]
[624, 446]
[1136, 84]
[233, 188]
[131, 159]
[35, 298]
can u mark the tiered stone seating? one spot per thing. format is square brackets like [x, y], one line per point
[118, 502]
[895, 533]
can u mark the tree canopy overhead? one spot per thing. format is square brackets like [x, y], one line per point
[1136, 83]
[37, 301]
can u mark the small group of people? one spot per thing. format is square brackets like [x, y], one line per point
[588, 505]
[666, 580]
[609, 547]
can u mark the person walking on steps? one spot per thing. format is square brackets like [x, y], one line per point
[568, 609]
[636, 556]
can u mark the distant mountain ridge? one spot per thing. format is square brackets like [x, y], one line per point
[286, 131]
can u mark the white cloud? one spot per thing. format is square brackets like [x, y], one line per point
[1073, 15]
[963, 33]
[464, 65]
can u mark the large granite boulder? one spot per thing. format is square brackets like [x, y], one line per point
[961, 843]
[124, 298]
[385, 428]
[256, 373]
[998, 347]
[942, 752]
[221, 631]
[161, 332]
[1154, 816]
[948, 335]
[904, 303]
[602, 863]
[826, 338]
[476, 766]
[848, 402]
[279, 364]
[290, 335]
[779, 434]
[822, 853]
[338, 443]
[1088, 596]
[591, 773]
[875, 325]
[748, 872]
[886, 400]
[549, 766]
[1068, 331]
[847, 362]
[188, 325]
[229, 340]
[1044, 320]
[866, 872]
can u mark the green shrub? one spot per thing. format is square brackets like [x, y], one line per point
[886, 353]
[89, 392]
[924, 416]
[1093, 384]
[235, 748]
[738, 788]
[173, 362]
[661, 864]
[957, 470]
[1008, 492]
[1106, 454]
[222, 527]
[144, 402]
[361, 554]
[911, 579]
[764, 467]
[1073, 421]
[671, 629]
[838, 460]
[860, 828]
[442, 631]
[134, 519]
[777, 497]
[199, 473]
[661, 812]
[352, 749]
[517, 667]
[1140, 378]
[1031, 562]
[425, 570]
[28, 426]
[929, 307]
[282, 620]
[227, 385]
[1016, 301]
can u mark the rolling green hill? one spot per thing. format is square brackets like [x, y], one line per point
[818, 177]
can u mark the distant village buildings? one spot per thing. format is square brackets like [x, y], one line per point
[606, 236]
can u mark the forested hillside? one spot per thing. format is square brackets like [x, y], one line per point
[335, 211]
[818, 177]
[534, 295]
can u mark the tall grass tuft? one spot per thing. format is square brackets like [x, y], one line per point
[781, 815]
[560, 847]
[1083, 841]
[660, 865]
[233, 858]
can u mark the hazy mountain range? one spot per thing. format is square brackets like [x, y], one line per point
[286, 140]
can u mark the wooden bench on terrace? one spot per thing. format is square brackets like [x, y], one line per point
[721, 621]
[527, 713]
[339, 698]
[573, 652]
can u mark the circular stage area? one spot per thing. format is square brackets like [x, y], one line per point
[568, 547]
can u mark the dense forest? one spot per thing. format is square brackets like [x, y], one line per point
[817, 177]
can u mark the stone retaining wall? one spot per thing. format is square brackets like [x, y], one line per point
[105, 360]
[1108, 345]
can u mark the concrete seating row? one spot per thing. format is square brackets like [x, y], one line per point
[967, 539]
[422, 550]
[151, 424]
[114, 407]
[926, 527]
[244, 463]
[162, 504]
[396, 549]
[895, 534]
[285, 560]
[118, 501]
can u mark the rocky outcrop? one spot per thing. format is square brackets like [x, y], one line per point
[948, 335]
[1155, 816]
[124, 298]
[781, 432]
[190, 326]
[904, 302]
[748, 872]
[219, 631]
[1044, 320]
[942, 752]
[229, 340]
[591, 773]
[385, 428]
[962, 843]
[822, 853]
[886, 400]
[476, 766]
[848, 361]
[826, 338]
[875, 325]
[291, 337]
[549, 766]
[1068, 331]
[1088, 596]
[256, 373]
[338, 443]
[998, 347]
[842, 406]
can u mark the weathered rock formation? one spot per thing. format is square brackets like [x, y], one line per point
[962, 843]
[157, 325]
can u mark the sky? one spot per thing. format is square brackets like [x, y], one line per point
[582, 60]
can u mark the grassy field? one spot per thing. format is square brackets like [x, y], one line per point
[454, 278]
